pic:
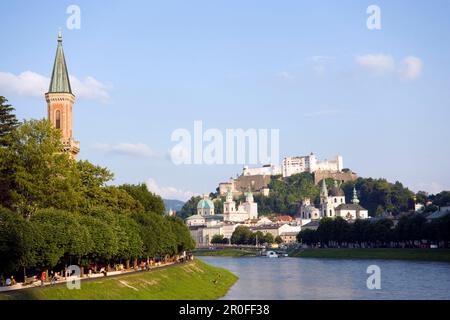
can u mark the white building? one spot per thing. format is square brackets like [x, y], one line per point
[310, 163]
[295, 165]
[353, 210]
[205, 224]
[309, 211]
[245, 211]
[265, 170]
[329, 201]
[332, 204]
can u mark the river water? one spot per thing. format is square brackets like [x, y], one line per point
[308, 278]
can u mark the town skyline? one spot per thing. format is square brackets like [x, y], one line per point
[125, 74]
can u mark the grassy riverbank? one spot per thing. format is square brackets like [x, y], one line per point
[227, 252]
[194, 280]
[388, 254]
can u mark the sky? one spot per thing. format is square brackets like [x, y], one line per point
[140, 70]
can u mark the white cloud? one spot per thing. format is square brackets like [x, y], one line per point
[376, 63]
[168, 192]
[411, 68]
[90, 89]
[31, 84]
[27, 83]
[286, 75]
[129, 149]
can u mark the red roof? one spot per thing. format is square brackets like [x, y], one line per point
[283, 218]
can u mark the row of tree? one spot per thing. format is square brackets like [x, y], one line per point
[243, 235]
[55, 211]
[54, 238]
[409, 231]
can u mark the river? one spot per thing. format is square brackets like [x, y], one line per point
[308, 278]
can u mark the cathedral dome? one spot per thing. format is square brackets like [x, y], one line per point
[205, 203]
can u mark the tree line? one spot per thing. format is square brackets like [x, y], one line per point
[243, 235]
[55, 211]
[410, 231]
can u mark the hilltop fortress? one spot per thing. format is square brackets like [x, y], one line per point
[258, 178]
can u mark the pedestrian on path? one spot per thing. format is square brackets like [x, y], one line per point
[42, 278]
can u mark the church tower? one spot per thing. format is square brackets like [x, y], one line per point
[60, 101]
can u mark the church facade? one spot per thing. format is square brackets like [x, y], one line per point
[332, 204]
[60, 100]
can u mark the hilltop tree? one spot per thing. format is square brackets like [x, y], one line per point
[379, 195]
[189, 208]
[8, 122]
[150, 201]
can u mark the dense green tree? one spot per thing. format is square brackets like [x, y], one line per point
[241, 235]
[378, 195]
[218, 239]
[154, 234]
[421, 197]
[441, 199]
[278, 240]
[8, 122]
[268, 238]
[150, 201]
[183, 237]
[41, 175]
[19, 242]
[308, 236]
[189, 208]
[105, 244]
[129, 240]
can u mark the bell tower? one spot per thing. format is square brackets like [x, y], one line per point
[60, 101]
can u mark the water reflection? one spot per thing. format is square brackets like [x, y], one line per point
[296, 278]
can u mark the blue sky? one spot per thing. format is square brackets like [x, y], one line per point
[313, 70]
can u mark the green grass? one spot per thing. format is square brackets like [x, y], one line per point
[194, 280]
[389, 254]
[226, 253]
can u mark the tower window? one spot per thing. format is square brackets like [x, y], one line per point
[58, 119]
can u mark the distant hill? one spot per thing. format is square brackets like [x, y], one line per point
[175, 205]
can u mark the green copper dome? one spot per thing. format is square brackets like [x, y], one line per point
[60, 77]
[205, 204]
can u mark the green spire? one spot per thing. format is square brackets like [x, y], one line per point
[355, 199]
[60, 77]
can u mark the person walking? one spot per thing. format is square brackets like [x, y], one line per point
[53, 278]
[42, 278]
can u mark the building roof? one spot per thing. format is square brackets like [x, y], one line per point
[213, 217]
[438, 214]
[336, 191]
[265, 227]
[205, 203]
[283, 218]
[350, 206]
[289, 233]
[60, 77]
[195, 216]
[312, 224]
